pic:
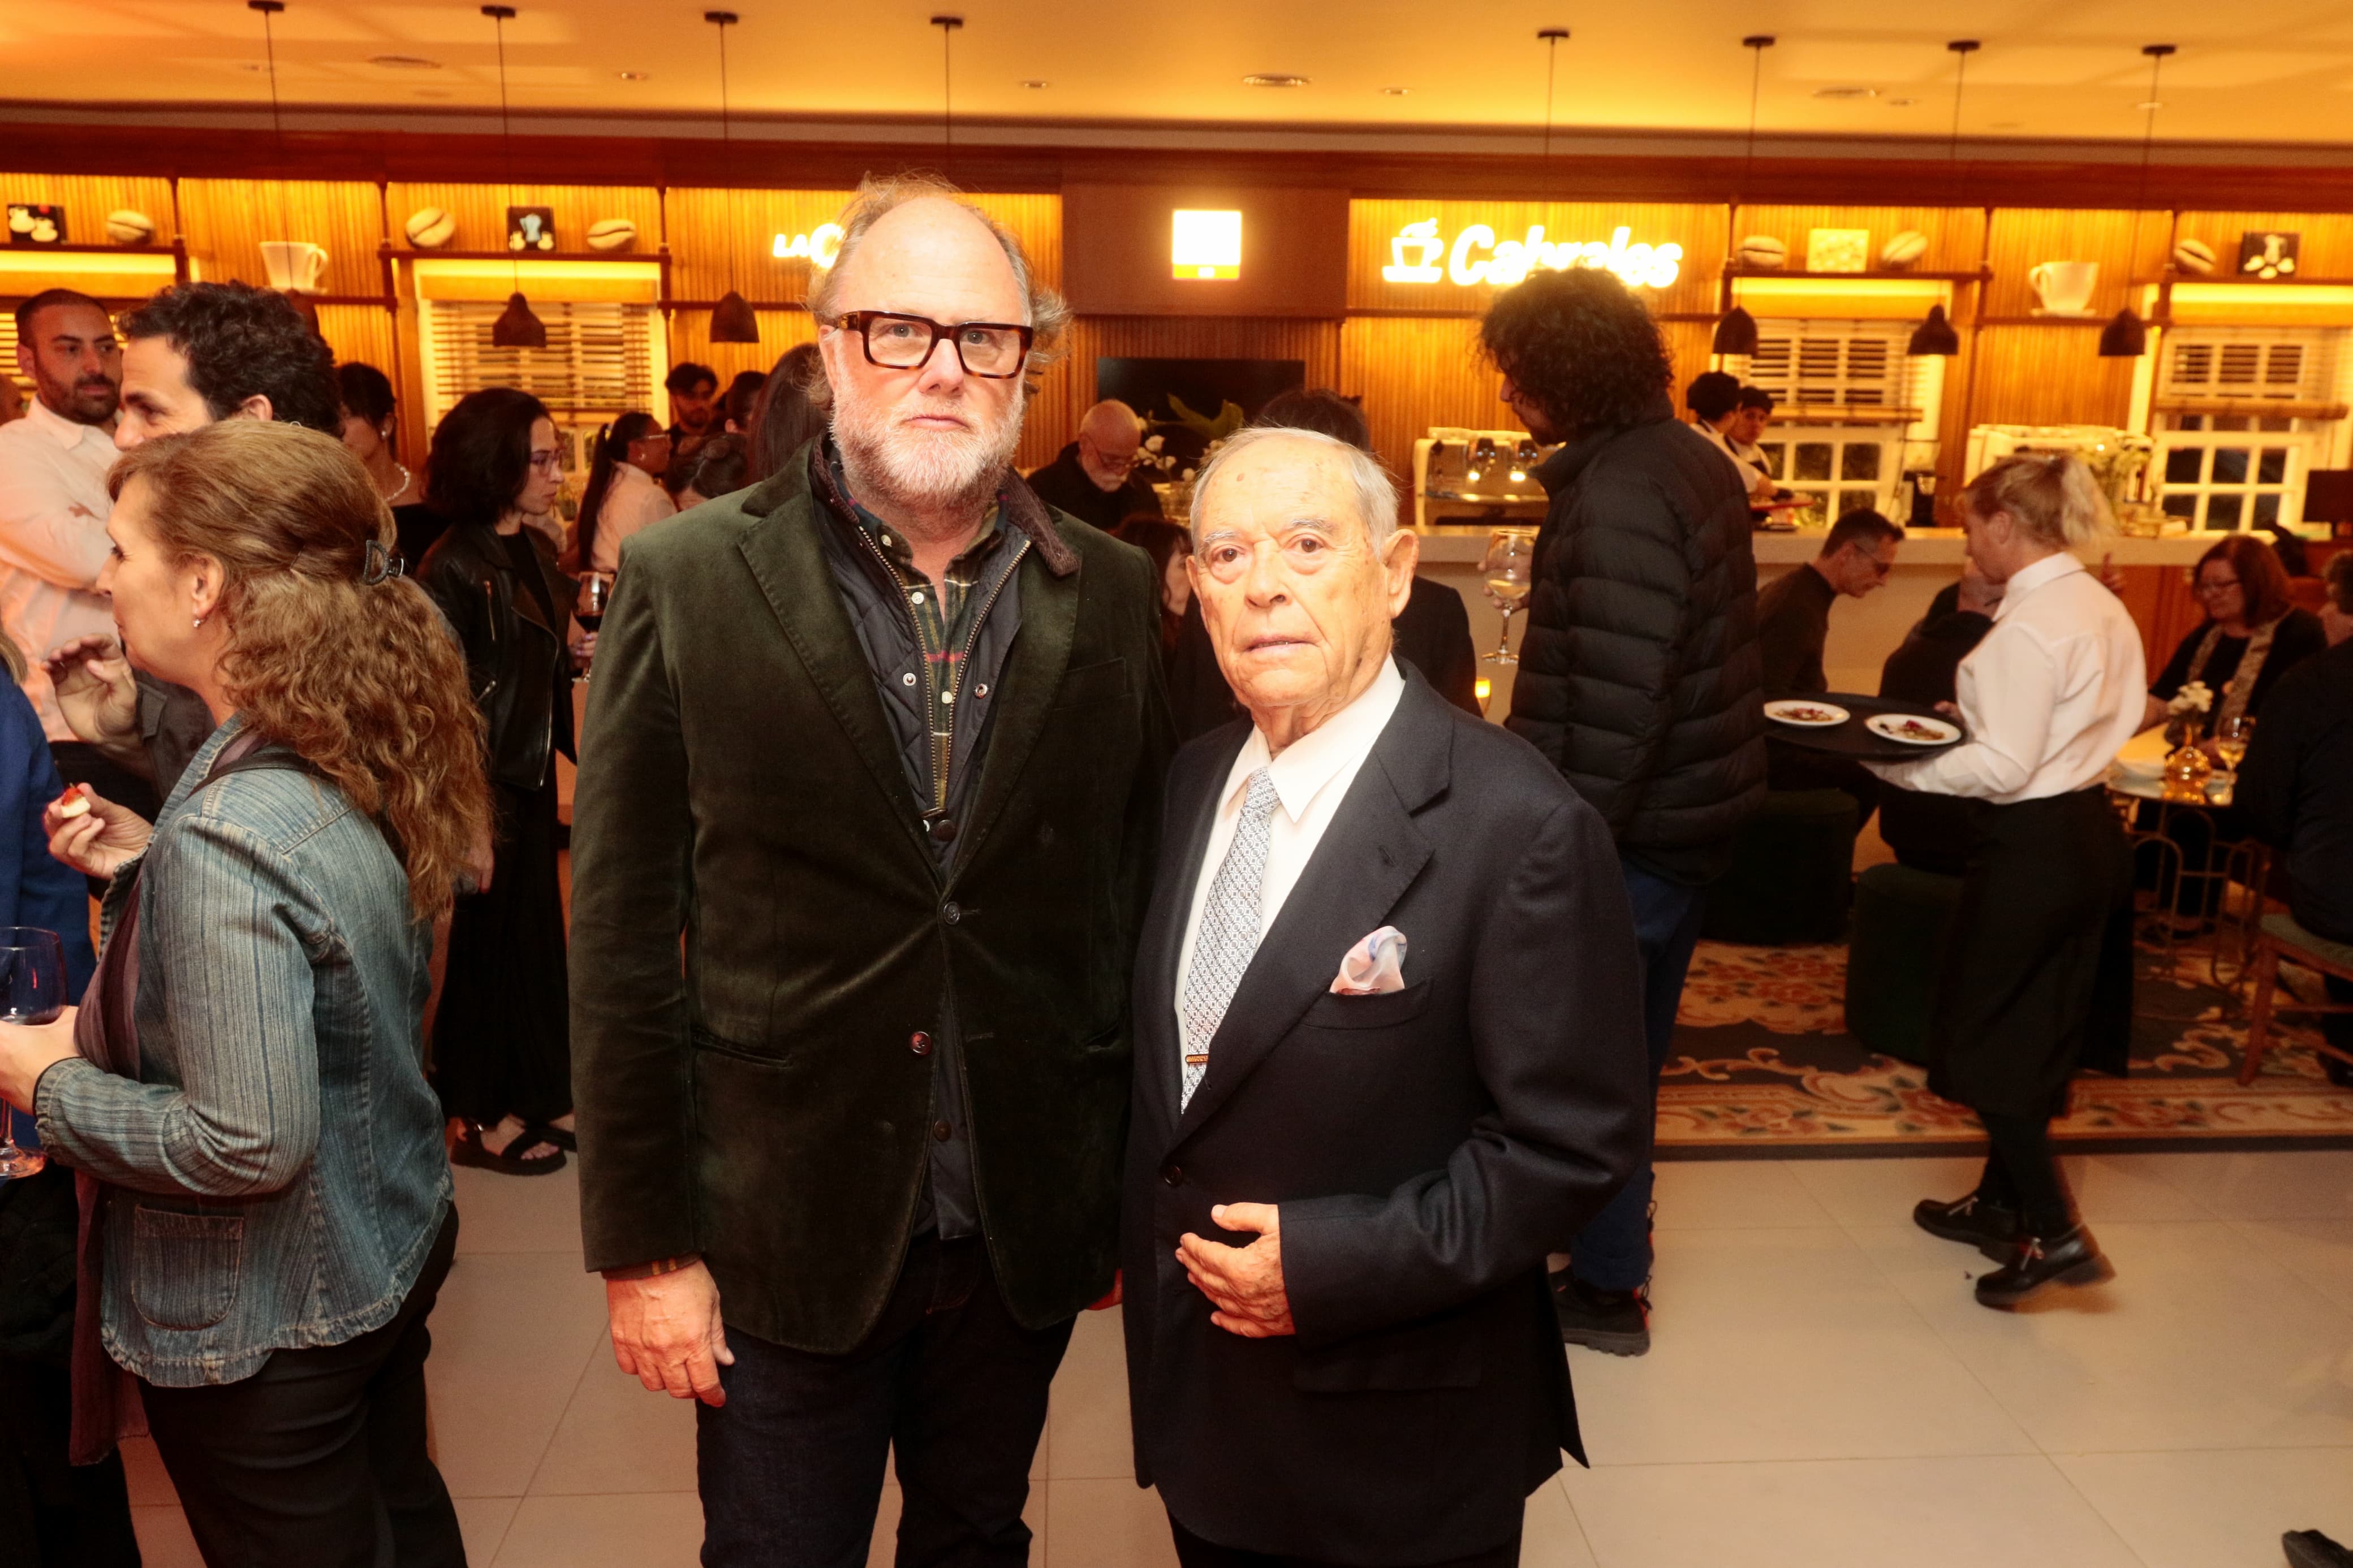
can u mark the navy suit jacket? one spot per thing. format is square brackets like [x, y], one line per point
[1427, 1148]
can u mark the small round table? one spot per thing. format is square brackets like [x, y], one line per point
[2208, 869]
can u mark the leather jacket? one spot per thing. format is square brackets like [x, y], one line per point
[512, 655]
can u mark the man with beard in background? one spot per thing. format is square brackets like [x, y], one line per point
[880, 740]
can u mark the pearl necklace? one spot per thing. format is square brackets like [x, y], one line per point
[402, 485]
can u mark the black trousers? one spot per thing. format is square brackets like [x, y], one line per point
[791, 1467]
[1192, 1552]
[318, 1460]
[502, 1039]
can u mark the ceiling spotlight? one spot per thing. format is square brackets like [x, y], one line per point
[255, 66]
[1395, 91]
[1273, 79]
[1902, 102]
[2150, 105]
[1846, 93]
[405, 62]
[1034, 85]
[634, 76]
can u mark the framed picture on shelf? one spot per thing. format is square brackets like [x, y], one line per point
[36, 223]
[2265, 254]
[531, 228]
[1838, 250]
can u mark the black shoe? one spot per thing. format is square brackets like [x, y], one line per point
[2310, 1549]
[1615, 1322]
[2036, 1264]
[1989, 1227]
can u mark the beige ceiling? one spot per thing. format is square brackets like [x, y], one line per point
[2250, 70]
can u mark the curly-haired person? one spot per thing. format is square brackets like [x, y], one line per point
[1640, 675]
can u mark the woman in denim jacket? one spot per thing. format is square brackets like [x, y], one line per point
[241, 1093]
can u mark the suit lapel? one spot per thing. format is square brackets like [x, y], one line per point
[788, 563]
[1369, 856]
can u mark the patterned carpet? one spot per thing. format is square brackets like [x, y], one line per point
[1763, 1065]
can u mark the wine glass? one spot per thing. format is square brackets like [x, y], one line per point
[1509, 568]
[2231, 738]
[595, 593]
[32, 991]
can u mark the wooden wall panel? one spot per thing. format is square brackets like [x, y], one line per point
[1414, 372]
[1956, 236]
[87, 198]
[707, 226]
[227, 220]
[689, 339]
[482, 211]
[2130, 249]
[2326, 250]
[362, 333]
[1069, 390]
[1373, 225]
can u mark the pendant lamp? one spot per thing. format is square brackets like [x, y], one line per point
[268, 8]
[732, 320]
[1735, 332]
[2125, 337]
[948, 25]
[516, 327]
[1935, 337]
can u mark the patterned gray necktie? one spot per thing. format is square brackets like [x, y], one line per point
[1229, 934]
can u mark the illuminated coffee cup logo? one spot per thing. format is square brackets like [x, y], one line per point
[818, 246]
[1477, 257]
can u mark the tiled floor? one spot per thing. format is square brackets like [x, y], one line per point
[1823, 1393]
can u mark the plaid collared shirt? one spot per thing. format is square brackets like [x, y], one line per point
[945, 616]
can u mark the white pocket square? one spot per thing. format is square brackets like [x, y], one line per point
[1374, 963]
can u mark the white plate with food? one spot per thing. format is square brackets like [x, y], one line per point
[1912, 729]
[1806, 714]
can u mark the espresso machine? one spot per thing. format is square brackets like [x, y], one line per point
[1477, 479]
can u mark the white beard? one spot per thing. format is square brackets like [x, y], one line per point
[923, 470]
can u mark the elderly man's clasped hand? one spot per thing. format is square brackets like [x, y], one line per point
[1244, 1283]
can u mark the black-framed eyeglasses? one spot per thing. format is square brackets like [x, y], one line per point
[992, 349]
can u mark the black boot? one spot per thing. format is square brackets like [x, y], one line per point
[2310, 1549]
[2037, 1263]
[1615, 1322]
[1987, 1226]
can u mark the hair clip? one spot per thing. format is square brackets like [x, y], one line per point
[380, 563]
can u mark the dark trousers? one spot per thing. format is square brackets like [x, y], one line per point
[318, 1460]
[2021, 1173]
[791, 1467]
[1613, 1251]
[2337, 1028]
[1192, 1552]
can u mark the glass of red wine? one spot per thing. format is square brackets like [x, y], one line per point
[32, 991]
[596, 592]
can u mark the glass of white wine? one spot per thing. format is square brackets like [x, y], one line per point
[1509, 568]
[2231, 738]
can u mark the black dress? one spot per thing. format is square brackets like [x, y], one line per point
[502, 1039]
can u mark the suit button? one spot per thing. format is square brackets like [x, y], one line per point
[942, 1132]
[1174, 1175]
[920, 1043]
[942, 831]
[951, 914]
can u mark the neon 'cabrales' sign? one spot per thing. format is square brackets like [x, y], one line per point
[1477, 257]
[818, 246]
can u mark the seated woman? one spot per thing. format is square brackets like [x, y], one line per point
[2251, 636]
[244, 1082]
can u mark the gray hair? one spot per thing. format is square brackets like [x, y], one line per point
[1044, 311]
[1368, 481]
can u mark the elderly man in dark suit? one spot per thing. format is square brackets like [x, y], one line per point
[1389, 1051]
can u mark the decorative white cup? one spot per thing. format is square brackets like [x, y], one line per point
[2065, 287]
[294, 264]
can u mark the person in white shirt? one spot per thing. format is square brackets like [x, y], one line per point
[1714, 399]
[632, 453]
[2037, 979]
[53, 500]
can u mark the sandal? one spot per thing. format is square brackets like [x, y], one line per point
[562, 1138]
[469, 1150]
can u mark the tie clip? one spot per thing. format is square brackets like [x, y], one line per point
[1193, 1061]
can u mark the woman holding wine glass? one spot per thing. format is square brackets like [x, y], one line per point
[502, 1035]
[266, 1203]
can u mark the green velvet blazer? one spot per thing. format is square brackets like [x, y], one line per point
[760, 930]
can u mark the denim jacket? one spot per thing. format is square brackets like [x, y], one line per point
[276, 1177]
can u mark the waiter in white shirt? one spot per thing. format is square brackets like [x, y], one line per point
[1388, 1052]
[2037, 978]
[53, 501]
[1714, 399]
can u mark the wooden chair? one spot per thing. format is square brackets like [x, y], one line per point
[2282, 938]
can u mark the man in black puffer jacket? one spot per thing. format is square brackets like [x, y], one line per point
[1640, 674]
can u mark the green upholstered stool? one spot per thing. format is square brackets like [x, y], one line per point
[1902, 917]
[2282, 938]
[1792, 870]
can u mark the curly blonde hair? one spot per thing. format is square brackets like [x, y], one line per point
[362, 678]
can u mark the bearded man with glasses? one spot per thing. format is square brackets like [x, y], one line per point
[880, 742]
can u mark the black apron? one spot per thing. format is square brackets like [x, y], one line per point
[2038, 975]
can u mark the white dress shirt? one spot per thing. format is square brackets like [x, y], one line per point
[2049, 697]
[53, 512]
[1751, 472]
[1311, 778]
[632, 503]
